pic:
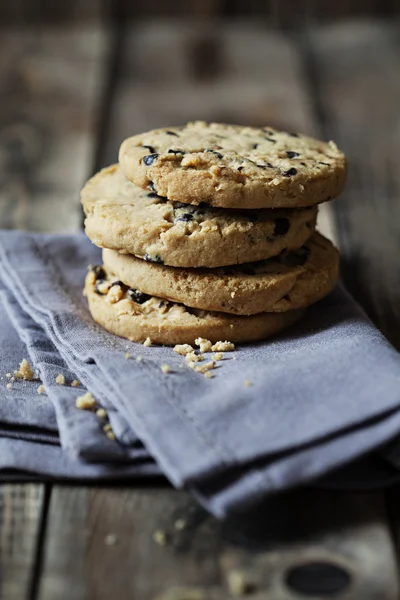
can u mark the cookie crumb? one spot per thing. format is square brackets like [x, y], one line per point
[110, 539]
[218, 356]
[181, 366]
[107, 427]
[223, 347]
[204, 368]
[110, 435]
[9, 386]
[101, 413]
[183, 349]
[193, 357]
[60, 379]
[160, 537]
[180, 524]
[128, 355]
[85, 402]
[8, 375]
[147, 342]
[139, 358]
[165, 368]
[75, 383]
[204, 345]
[248, 383]
[115, 294]
[25, 371]
[239, 584]
[208, 375]
[41, 389]
[233, 294]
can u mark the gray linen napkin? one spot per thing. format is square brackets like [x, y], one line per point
[323, 393]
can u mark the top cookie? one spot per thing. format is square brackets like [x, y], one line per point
[233, 166]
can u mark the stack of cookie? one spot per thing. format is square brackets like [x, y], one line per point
[208, 231]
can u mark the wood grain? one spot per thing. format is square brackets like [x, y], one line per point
[21, 508]
[50, 94]
[358, 90]
[198, 560]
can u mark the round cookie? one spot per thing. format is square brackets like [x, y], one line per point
[232, 166]
[287, 282]
[122, 216]
[136, 316]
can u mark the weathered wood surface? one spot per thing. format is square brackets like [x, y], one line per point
[100, 544]
[21, 512]
[240, 73]
[50, 96]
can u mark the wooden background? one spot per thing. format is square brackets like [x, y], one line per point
[75, 79]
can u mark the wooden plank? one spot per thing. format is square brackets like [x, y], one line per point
[21, 511]
[50, 92]
[101, 545]
[51, 85]
[240, 83]
[359, 96]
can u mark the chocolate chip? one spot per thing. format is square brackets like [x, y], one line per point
[98, 271]
[303, 163]
[161, 304]
[262, 166]
[186, 217]
[96, 287]
[149, 159]
[153, 195]
[116, 283]
[294, 134]
[240, 168]
[138, 296]
[154, 259]
[289, 173]
[292, 154]
[269, 139]
[254, 146]
[149, 148]
[178, 151]
[152, 187]
[172, 133]
[282, 226]
[324, 163]
[217, 154]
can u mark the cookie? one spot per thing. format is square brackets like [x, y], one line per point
[232, 166]
[287, 282]
[122, 216]
[137, 316]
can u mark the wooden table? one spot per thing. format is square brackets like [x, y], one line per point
[68, 96]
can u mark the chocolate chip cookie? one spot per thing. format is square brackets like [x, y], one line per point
[124, 217]
[138, 316]
[289, 281]
[233, 166]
